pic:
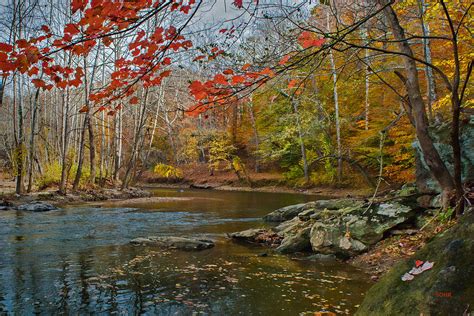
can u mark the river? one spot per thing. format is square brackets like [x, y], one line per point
[78, 260]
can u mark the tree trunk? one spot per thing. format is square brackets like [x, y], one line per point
[32, 141]
[430, 80]
[80, 162]
[432, 158]
[301, 141]
[255, 135]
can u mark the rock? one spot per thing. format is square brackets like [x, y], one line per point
[320, 256]
[5, 203]
[204, 186]
[36, 207]
[407, 189]
[446, 289]
[288, 212]
[310, 209]
[441, 137]
[180, 243]
[306, 215]
[288, 226]
[295, 242]
[248, 235]
[328, 239]
[258, 235]
[395, 232]
[338, 204]
[351, 230]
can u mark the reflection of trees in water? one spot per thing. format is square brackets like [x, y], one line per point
[62, 304]
[84, 267]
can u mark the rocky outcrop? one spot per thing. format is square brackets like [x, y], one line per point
[305, 210]
[180, 243]
[36, 206]
[441, 137]
[446, 289]
[351, 230]
[343, 227]
[287, 213]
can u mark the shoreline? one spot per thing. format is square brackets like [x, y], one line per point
[328, 192]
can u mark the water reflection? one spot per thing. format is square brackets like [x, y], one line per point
[78, 261]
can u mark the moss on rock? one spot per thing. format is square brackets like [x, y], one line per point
[447, 289]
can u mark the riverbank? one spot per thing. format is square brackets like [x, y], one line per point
[13, 200]
[198, 176]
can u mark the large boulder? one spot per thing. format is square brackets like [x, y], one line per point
[36, 206]
[350, 231]
[441, 137]
[180, 243]
[296, 239]
[446, 289]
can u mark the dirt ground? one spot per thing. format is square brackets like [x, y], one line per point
[386, 253]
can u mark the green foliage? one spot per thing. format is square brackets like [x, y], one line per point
[52, 175]
[221, 150]
[445, 215]
[167, 171]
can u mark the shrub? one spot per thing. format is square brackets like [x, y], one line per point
[167, 171]
[52, 175]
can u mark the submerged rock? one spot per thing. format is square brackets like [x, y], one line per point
[180, 243]
[446, 289]
[36, 207]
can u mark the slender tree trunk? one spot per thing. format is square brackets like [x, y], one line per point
[80, 162]
[294, 103]
[65, 144]
[136, 142]
[91, 149]
[430, 80]
[336, 110]
[336, 113]
[32, 141]
[255, 135]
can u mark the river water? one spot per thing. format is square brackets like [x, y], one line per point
[78, 260]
